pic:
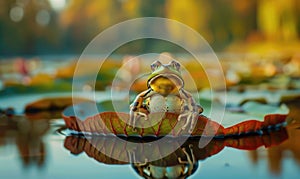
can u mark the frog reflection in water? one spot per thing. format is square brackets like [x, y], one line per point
[183, 169]
[165, 93]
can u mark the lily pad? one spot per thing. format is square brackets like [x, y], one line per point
[51, 104]
[117, 123]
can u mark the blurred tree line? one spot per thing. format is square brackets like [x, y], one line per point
[33, 27]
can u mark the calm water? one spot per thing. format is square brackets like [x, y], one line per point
[31, 147]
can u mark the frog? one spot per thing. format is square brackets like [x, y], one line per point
[166, 93]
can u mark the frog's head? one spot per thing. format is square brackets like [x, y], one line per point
[165, 78]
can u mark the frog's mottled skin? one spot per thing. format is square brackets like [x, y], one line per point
[165, 93]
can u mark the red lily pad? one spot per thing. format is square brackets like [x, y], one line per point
[117, 124]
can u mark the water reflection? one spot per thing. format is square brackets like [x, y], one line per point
[184, 166]
[27, 135]
[276, 155]
[288, 149]
[182, 163]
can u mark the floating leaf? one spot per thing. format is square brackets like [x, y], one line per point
[254, 110]
[259, 109]
[54, 103]
[255, 126]
[236, 97]
[117, 124]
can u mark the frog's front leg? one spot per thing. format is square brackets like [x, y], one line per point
[190, 110]
[137, 109]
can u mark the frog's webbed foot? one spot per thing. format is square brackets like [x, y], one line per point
[135, 116]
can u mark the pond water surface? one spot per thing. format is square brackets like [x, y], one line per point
[32, 147]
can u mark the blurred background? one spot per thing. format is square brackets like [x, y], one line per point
[256, 40]
[48, 27]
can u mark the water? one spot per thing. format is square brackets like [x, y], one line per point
[33, 148]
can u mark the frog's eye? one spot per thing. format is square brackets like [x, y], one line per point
[175, 65]
[155, 65]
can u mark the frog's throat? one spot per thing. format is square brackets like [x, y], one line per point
[179, 81]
